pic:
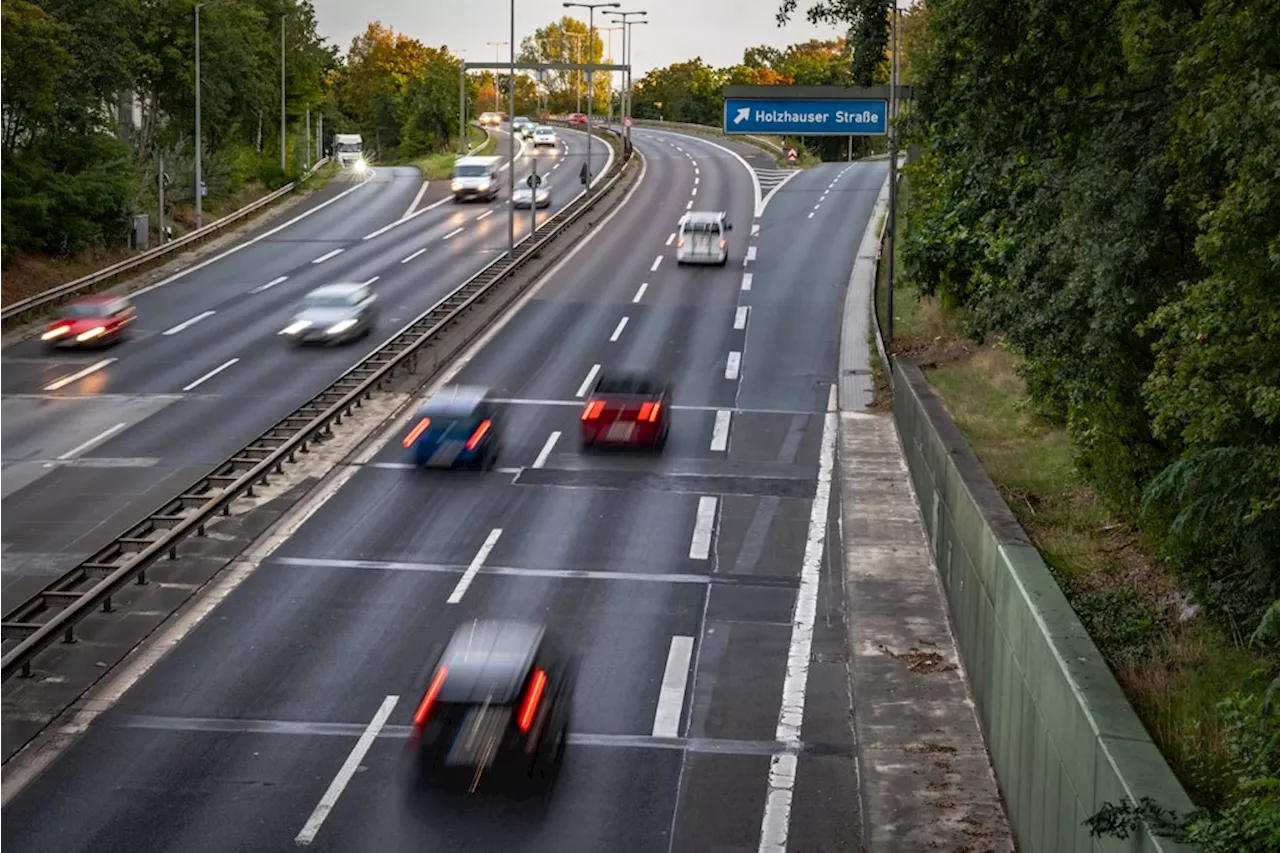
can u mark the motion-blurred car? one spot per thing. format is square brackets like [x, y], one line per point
[544, 135]
[526, 132]
[526, 196]
[455, 428]
[518, 123]
[490, 119]
[91, 321]
[498, 702]
[702, 238]
[333, 314]
[627, 409]
[577, 118]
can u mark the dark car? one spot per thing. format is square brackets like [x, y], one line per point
[456, 427]
[90, 322]
[333, 314]
[627, 409]
[498, 702]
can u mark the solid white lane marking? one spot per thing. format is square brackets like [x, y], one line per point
[186, 324]
[470, 574]
[769, 196]
[414, 255]
[700, 546]
[348, 769]
[210, 374]
[671, 238]
[622, 324]
[417, 198]
[545, 452]
[327, 255]
[454, 233]
[666, 720]
[746, 280]
[372, 280]
[689, 206]
[435, 204]
[586, 383]
[740, 317]
[483, 215]
[751, 254]
[270, 284]
[733, 365]
[782, 768]
[656, 262]
[640, 292]
[93, 442]
[78, 375]
[720, 432]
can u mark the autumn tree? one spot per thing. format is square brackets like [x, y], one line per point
[565, 41]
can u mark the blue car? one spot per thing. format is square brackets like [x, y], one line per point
[455, 428]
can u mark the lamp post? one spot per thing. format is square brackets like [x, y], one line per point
[577, 77]
[283, 165]
[497, 57]
[511, 144]
[199, 142]
[591, 61]
[609, 61]
[625, 17]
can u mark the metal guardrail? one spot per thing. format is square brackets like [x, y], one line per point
[54, 612]
[106, 274]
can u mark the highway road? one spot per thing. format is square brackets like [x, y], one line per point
[95, 441]
[672, 578]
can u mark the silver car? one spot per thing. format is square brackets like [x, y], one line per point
[523, 197]
[335, 313]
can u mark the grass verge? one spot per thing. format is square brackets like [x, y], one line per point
[1176, 668]
[439, 167]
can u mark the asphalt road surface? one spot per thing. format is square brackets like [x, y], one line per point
[95, 441]
[671, 577]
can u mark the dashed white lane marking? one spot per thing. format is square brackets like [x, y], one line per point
[703, 527]
[811, 214]
[746, 280]
[740, 318]
[270, 284]
[210, 375]
[656, 262]
[556, 166]
[545, 452]
[348, 769]
[78, 375]
[640, 292]
[689, 206]
[755, 229]
[695, 162]
[474, 568]
[327, 255]
[733, 365]
[671, 239]
[414, 255]
[586, 383]
[483, 215]
[782, 767]
[666, 720]
[695, 191]
[371, 281]
[751, 254]
[720, 432]
[187, 324]
[695, 171]
[100, 438]
[454, 233]
[696, 179]
[617, 333]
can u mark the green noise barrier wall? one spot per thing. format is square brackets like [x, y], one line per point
[1063, 737]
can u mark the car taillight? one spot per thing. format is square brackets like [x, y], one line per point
[529, 706]
[723, 243]
[649, 412]
[478, 434]
[420, 717]
[680, 243]
[416, 432]
[593, 410]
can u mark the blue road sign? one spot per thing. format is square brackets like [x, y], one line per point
[806, 117]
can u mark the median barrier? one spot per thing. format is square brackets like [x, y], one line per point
[1063, 737]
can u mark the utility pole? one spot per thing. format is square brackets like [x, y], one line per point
[627, 23]
[893, 174]
[160, 194]
[306, 142]
[283, 167]
[199, 145]
[511, 143]
[591, 62]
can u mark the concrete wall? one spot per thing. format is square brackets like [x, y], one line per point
[1062, 736]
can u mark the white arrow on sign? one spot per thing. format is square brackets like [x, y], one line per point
[743, 113]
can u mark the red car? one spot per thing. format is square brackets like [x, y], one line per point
[577, 118]
[91, 321]
[627, 409]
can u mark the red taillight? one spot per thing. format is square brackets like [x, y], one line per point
[649, 412]
[478, 434]
[416, 432]
[529, 706]
[593, 410]
[429, 699]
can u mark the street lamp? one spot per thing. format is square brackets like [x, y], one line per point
[497, 57]
[283, 165]
[626, 59]
[199, 142]
[591, 61]
[577, 76]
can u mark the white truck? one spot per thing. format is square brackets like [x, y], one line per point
[348, 148]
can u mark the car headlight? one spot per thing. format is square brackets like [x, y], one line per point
[55, 332]
[484, 185]
[91, 334]
[361, 165]
[456, 185]
[341, 326]
[295, 327]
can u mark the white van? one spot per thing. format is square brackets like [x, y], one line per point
[703, 238]
[475, 177]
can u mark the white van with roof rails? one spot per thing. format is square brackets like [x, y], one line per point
[475, 177]
[702, 238]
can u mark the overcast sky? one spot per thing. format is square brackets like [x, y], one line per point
[716, 30]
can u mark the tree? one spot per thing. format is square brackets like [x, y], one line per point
[565, 41]
[683, 91]
[868, 22]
